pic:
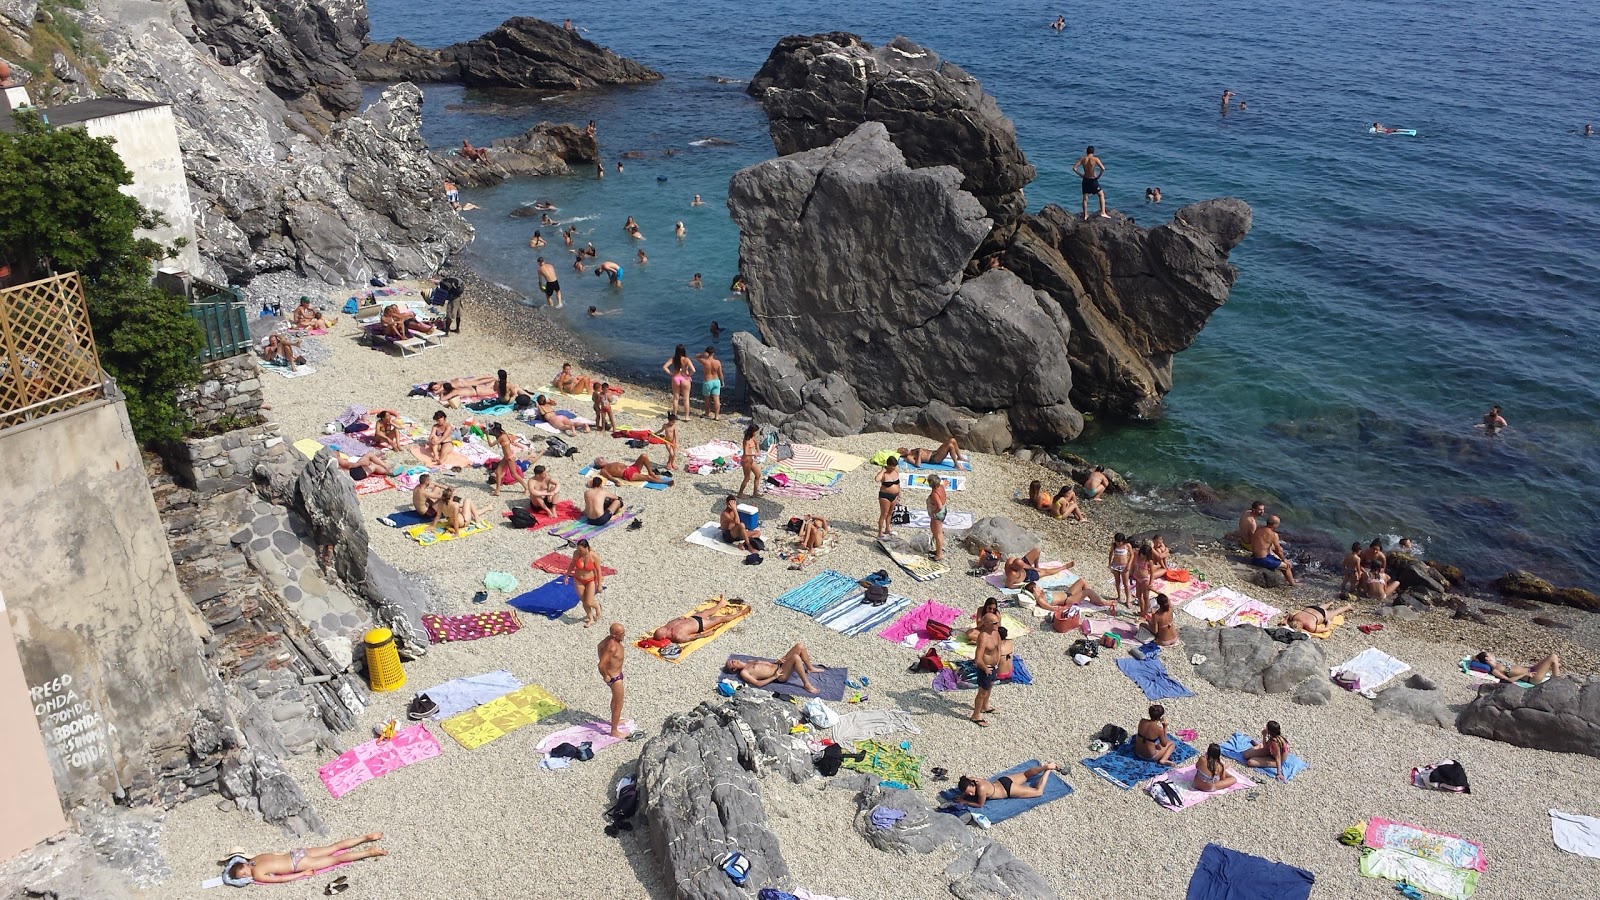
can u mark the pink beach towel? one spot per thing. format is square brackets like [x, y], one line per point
[916, 622]
[596, 734]
[1444, 848]
[1182, 781]
[1254, 612]
[469, 627]
[374, 759]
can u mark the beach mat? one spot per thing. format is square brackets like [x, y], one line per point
[469, 627]
[684, 650]
[1253, 612]
[1460, 853]
[1235, 747]
[499, 717]
[829, 682]
[1152, 678]
[596, 734]
[550, 599]
[819, 592]
[458, 695]
[709, 536]
[1120, 767]
[997, 811]
[851, 616]
[573, 532]
[299, 372]
[962, 675]
[1216, 605]
[556, 563]
[955, 521]
[1056, 581]
[1423, 874]
[915, 623]
[888, 762]
[405, 518]
[919, 480]
[917, 565]
[566, 511]
[375, 759]
[1223, 874]
[373, 484]
[1182, 781]
[308, 447]
[428, 535]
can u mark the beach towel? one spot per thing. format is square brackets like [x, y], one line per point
[375, 759]
[829, 682]
[1151, 676]
[1223, 874]
[684, 650]
[451, 459]
[596, 734]
[1101, 624]
[470, 627]
[566, 511]
[960, 646]
[501, 716]
[308, 447]
[709, 536]
[428, 535]
[851, 616]
[491, 407]
[1180, 592]
[1423, 874]
[1120, 767]
[953, 521]
[705, 454]
[802, 488]
[997, 811]
[1576, 834]
[1216, 605]
[550, 599]
[887, 761]
[962, 675]
[461, 694]
[405, 518]
[1235, 747]
[865, 723]
[915, 623]
[1253, 612]
[573, 532]
[819, 592]
[1372, 667]
[557, 563]
[1383, 834]
[919, 480]
[283, 370]
[374, 484]
[1057, 581]
[915, 564]
[1182, 781]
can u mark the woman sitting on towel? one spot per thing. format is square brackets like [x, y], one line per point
[505, 391]
[1159, 622]
[1270, 751]
[386, 430]
[455, 511]
[813, 532]
[991, 605]
[1538, 673]
[1210, 774]
[1376, 583]
[569, 383]
[916, 457]
[1316, 620]
[975, 792]
[1150, 740]
[561, 423]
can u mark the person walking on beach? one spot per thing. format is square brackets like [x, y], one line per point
[938, 508]
[712, 389]
[610, 653]
[681, 370]
[749, 459]
[550, 283]
[986, 659]
[1090, 168]
[587, 574]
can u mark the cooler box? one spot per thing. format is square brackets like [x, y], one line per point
[749, 516]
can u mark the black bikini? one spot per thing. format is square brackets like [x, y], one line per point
[1005, 782]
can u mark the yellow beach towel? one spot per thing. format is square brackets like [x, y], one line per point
[501, 716]
[1333, 623]
[428, 534]
[685, 649]
[1014, 629]
[308, 446]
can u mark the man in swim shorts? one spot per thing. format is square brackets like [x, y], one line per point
[620, 473]
[1090, 168]
[612, 271]
[1266, 551]
[1096, 483]
[551, 283]
[761, 672]
[713, 385]
[610, 651]
[599, 504]
[684, 629]
[733, 531]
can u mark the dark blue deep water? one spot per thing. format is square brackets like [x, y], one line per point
[1391, 290]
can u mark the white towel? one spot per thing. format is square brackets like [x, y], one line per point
[870, 723]
[1575, 833]
[1373, 668]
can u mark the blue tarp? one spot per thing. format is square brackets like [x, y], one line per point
[1152, 678]
[1224, 874]
[550, 599]
[1120, 767]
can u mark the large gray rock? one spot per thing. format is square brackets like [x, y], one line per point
[1246, 659]
[1295, 663]
[902, 337]
[977, 432]
[523, 52]
[398, 604]
[1562, 714]
[989, 870]
[819, 88]
[998, 533]
[1314, 691]
[19, 14]
[326, 499]
[1417, 699]
[544, 149]
[305, 47]
[1414, 575]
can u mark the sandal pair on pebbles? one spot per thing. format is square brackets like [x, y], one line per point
[337, 886]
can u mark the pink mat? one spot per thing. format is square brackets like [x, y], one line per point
[1182, 779]
[597, 734]
[916, 622]
[359, 765]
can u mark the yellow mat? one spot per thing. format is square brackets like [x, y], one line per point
[308, 446]
[1333, 623]
[844, 462]
[1014, 629]
[620, 402]
[428, 534]
[685, 649]
[501, 716]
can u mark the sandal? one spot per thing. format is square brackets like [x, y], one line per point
[980, 722]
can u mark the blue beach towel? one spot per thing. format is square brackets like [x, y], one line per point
[461, 694]
[1152, 678]
[404, 519]
[819, 593]
[997, 811]
[550, 599]
[829, 682]
[1224, 874]
[1120, 767]
[1235, 747]
[852, 617]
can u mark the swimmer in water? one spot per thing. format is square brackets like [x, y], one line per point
[600, 170]
[696, 201]
[1588, 131]
[642, 258]
[1060, 24]
[629, 224]
[544, 219]
[1493, 421]
[1243, 106]
[695, 281]
[537, 240]
[619, 167]
[594, 311]
[612, 271]
[678, 229]
[1227, 97]
[715, 329]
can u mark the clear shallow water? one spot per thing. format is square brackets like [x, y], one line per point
[1391, 290]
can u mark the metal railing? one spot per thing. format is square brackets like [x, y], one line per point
[48, 361]
[222, 319]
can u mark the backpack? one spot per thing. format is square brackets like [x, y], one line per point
[900, 515]
[817, 713]
[937, 630]
[523, 401]
[928, 662]
[769, 438]
[1112, 734]
[877, 595]
[558, 447]
[522, 517]
[1084, 647]
[794, 525]
[828, 765]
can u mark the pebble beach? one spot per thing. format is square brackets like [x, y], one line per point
[490, 822]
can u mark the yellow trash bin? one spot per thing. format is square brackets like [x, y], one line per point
[383, 661]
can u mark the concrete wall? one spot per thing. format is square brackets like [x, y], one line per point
[32, 812]
[147, 141]
[106, 636]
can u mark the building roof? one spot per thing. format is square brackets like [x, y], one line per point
[83, 111]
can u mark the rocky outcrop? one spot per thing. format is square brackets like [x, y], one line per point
[522, 53]
[1418, 699]
[1247, 659]
[1000, 534]
[882, 304]
[305, 48]
[544, 149]
[1562, 714]
[817, 89]
[1522, 585]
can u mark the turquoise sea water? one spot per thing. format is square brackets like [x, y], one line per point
[1391, 290]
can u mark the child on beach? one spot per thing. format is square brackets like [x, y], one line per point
[1117, 561]
[596, 398]
[1140, 571]
[605, 419]
[1352, 570]
[669, 433]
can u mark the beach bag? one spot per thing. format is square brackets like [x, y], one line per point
[778, 479]
[351, 306]
[937, 630]
[817, 713]
[1061, 623]
[523, 518]
[558, 447]
[581, 752]
[928, 662]
[1166, 795]
[1181, 576]
[769, 438]
[523, 401]
[1084, 647]
[832, 756]
[1444, 775]
[1114, 735]
[1348, 682]
[877, 595]
[794, 525]
[900, 515]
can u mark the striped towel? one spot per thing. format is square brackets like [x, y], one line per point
[819, 593]
[807, 457]
[572, 532]
[852, 617]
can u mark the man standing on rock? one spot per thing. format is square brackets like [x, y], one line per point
[1266, 551]
[549, 283]
[987, 660]
[1249, 522]
[1090, 168]
[610, 651]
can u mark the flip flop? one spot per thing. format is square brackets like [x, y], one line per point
[981, 723]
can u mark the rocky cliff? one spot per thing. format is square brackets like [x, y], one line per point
[1108, 305]
[544, 149]
[522, 53]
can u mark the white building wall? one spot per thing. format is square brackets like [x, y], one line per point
[147, 141]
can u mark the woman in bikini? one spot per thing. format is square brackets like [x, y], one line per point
[813, 532]
[888, 494]
[587, 573]
[681, 369]
[1159, 622]
[749, 458]
[1062, 601]
[1065, 505]
[504, 390]
[506, 470]
[1376, 583]
[991, 605]
[1270, 751]
[1159, 553]
[937, 510]
[1039, 498]
[975, 792]
[568, 383]
[1150, 740]
[1140, 573]
[440, 437]
[561, 423]
[386, 430]
[456, 512]
[1316, 619]
[1210, 774]
[278, 868]
[1117, 561]
[1538, 673]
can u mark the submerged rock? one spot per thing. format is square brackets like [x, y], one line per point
[523, 52]
[1520, 585]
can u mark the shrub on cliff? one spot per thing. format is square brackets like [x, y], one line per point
[61, 210]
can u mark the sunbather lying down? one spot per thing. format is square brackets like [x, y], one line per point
[462, 390]
[762, 672]
[277, 868]
[978, 791]
[684, 629]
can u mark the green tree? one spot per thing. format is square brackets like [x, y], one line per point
[61, 210]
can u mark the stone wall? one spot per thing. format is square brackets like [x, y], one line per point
[224, 462]
[228, 388]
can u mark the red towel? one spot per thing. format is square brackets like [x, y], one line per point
[557, 563]
[639, 434]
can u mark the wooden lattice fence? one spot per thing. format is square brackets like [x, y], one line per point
[47, 355]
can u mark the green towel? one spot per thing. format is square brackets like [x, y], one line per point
[500, 581]
[888, 762]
